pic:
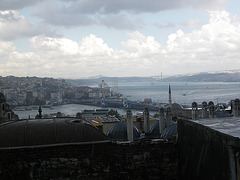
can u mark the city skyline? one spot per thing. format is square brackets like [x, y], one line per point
[80, 38]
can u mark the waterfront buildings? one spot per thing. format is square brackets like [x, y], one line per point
[40, 91]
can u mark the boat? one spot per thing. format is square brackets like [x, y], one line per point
[20, 109]
[46, 106]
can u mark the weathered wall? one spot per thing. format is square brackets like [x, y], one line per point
[91, 161]
[205, 153]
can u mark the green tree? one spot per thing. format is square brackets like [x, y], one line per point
[113, 112]
[156, 115]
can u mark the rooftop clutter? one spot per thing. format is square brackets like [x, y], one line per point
[164, 128]
[209, 110]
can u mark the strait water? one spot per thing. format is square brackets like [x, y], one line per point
[182, 92]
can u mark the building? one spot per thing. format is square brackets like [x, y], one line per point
[71, 148]
[6, 114]
[93, 114]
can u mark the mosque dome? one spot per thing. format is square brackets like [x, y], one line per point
[170, 131]
[176, 109]
[154, 130]
[167, 133]
[2, 98]
[177, 106]
[48, 132]
[118, 132]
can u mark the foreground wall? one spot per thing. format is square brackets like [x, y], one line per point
[206, 154]
[91, 161]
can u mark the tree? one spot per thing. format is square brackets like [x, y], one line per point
[113, 112]
[156, 115]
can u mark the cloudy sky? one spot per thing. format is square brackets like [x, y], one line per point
[85, 38]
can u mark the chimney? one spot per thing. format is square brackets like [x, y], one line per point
[194, 111]
[204, 110]
[161, 120]
[146, 120]
[211, 109]
[129, 125]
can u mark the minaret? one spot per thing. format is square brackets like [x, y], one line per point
[169, 97]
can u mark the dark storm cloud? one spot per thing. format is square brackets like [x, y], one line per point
[72, 15]
[87, 12]
[16, 4]
[140, 6]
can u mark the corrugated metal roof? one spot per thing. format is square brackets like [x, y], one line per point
[228, 125]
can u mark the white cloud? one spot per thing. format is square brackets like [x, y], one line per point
[141, 44]
[54, 46]
[14, 26]
[92, 45]
[191, 23]
[5, 49]
[212, 47]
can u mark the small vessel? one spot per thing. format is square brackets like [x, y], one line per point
[46, 106]
[20, 109]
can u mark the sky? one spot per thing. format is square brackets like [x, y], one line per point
[89, 38]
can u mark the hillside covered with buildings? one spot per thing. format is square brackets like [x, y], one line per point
[20, 91]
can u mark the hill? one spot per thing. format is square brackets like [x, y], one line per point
[226, 76]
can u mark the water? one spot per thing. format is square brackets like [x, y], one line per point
[67, 109]
[182, 92]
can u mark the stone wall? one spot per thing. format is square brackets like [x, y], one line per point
[205, 153]
[91, 161]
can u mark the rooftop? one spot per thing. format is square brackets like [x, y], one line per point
[39, 132]
[229, 126]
